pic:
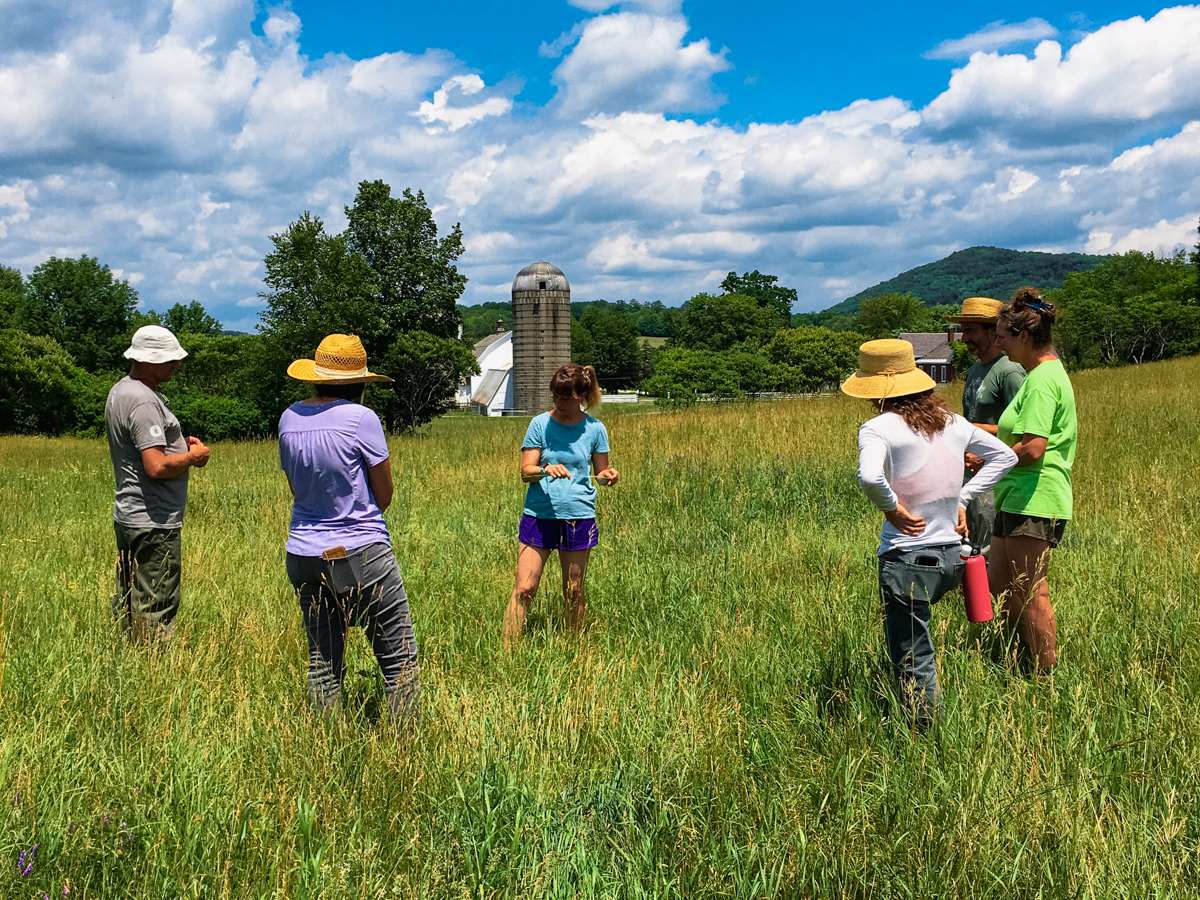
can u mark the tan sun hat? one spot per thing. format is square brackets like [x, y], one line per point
[886, 369]
[978, 309]
[340, 359]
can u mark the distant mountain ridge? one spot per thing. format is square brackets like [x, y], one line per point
[976, 272]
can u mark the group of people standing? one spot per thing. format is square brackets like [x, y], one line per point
[998, 477]
[1017, 439]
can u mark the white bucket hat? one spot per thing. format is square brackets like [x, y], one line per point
[154, 344]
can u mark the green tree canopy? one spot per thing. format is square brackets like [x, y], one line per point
[889, 314]
[87, 311]
[817, 356]
[709, 322]
[616, 352]
[190, 319]
[385, 278]
[12, 296]
[1134, 307]
[763, 288]
[417, 283]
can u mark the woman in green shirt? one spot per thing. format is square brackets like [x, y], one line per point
[1033, 501]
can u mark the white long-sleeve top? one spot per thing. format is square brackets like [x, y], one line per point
[925, 472]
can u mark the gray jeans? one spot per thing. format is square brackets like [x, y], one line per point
[363, 590]
[909, 581]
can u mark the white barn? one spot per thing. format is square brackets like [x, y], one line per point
[491, 391]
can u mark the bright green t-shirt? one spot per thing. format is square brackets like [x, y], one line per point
[1045, 407]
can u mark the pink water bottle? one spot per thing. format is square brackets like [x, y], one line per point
[976, 596]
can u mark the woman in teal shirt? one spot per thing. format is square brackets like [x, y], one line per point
[561, 449]
[1033, 501]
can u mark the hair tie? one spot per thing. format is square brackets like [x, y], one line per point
[1040, 305]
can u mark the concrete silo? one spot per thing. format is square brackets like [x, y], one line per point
[541, 341]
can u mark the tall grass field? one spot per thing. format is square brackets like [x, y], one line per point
[721, 729]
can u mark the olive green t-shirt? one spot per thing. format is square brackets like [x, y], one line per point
[990, 388]
[1043, 407]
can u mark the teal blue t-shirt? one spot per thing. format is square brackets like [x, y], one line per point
[571, 446]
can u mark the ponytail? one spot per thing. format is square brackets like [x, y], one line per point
[574, 380]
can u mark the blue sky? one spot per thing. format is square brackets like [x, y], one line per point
[790, 60]
[646, 147]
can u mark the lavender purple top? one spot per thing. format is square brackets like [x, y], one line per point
[326, 450]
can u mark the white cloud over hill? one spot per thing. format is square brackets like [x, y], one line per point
[171, 141]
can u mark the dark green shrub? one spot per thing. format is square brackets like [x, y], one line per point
[221, 418]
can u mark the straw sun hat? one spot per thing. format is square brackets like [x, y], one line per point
[340, 359]
[886, 369]
[982, 310]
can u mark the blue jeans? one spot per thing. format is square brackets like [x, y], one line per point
[363, 590]
[909, 582]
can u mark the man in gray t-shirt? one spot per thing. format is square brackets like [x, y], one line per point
[991, 384]
[150, 460]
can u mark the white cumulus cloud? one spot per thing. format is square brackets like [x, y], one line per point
[171, 141]
[994, 36]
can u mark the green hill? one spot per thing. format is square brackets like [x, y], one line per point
[976, 272]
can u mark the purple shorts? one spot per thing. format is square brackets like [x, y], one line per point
[559, 534]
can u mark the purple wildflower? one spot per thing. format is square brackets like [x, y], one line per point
[105, 818]
[21, 862]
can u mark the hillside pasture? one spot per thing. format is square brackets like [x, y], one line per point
[722, 728]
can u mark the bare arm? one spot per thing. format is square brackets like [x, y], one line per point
[605, 473]
[379, 480]
[1029, 449]
[531, 466]
[993, 430]
[159, 464]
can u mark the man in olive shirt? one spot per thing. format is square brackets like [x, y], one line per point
[150, 460]
[992, 382]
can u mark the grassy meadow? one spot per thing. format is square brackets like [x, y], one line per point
[721, 729]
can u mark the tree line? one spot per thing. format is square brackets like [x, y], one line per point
[391, 279]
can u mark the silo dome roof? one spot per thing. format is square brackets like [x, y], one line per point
[530, 278]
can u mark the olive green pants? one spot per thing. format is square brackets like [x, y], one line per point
[147, 596]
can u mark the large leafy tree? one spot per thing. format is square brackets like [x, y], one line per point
[388, 279]
[763, 288]
[615, 352]
[888, 314]
[1134, 307]
[709, 322]
[417, 282]
[190, 319]
[79, 304]
[12, 296]
[816, 356]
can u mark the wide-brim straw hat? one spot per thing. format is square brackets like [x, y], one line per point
[154, 344]
[886, 369]
[981, 310]
[340, 359]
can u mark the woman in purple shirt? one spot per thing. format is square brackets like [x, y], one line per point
[339, 552]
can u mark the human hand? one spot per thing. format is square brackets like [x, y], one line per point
[558, 471]
[198, 452]
[609, 476]
[961, 527]
[974, 463]
[904, 521]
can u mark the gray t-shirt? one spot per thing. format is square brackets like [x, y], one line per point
[990, 388]
[137, 418]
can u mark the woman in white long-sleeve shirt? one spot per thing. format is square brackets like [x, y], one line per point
[910, 465]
